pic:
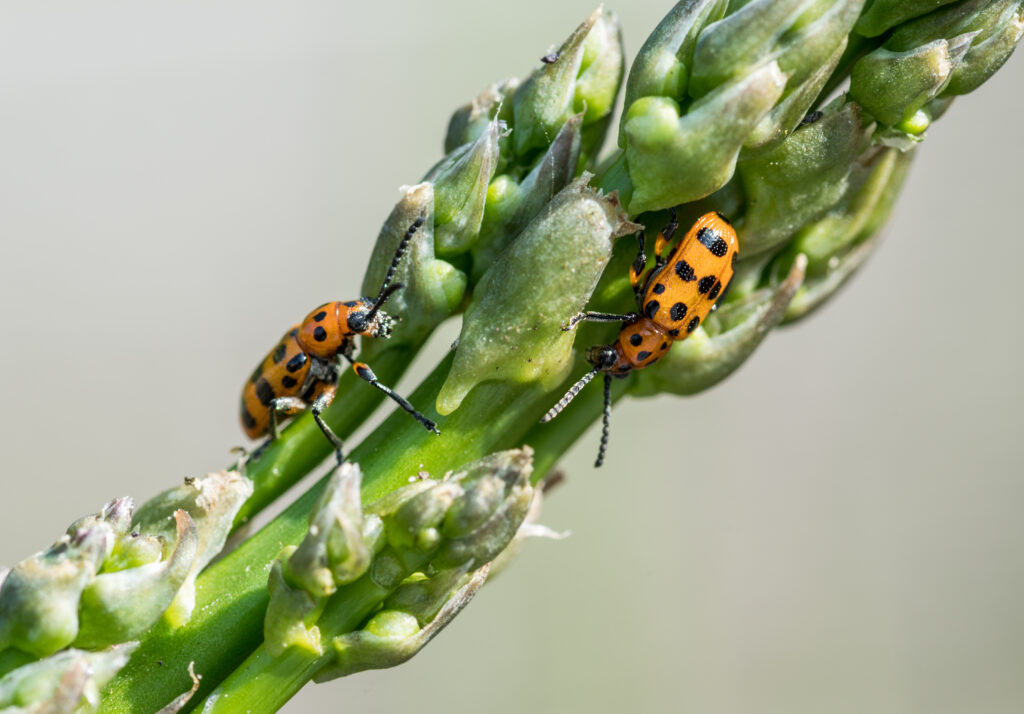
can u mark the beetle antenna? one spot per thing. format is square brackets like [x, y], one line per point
[403, 244]
[605, 420]
[381, 299]
[573, 391]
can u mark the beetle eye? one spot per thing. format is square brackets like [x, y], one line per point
[357, 322]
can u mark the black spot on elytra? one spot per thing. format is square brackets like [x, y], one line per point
[320, 316]
[716, 288]
[658, 289]
[673, 333]
[685, 272]
[642, 355]
[288, 381]
[264, 392]
[350, 303]
[705, 284]
[292, 332]
[664, 346]
[693, 324]
[278, 354]
[256, 374]
[724, 219]
[678, 312]
[712, 241]
[319, 334]
[296, 362]
[247, 419]
[652, 309]
[635, 339]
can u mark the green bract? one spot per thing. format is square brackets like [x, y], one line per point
[709, 83]
[874, 185]
[676, 158]
[462, 522]
[512, 328]
[291, 616]
[460, 189]
[997, 38]
[392, 636]
[433, 287]
[63, 682]
[948, 52]
[663, 65]
[119, 606]
[494, 503]
[107, 581]
[212, 502]
[583, 77]
[882, 15]
[511, 205]
[471, 120]
[801, 179]
[808, 53]
[799, 34]
[791, 109]
[340, 542]
[893, 86]
[39, 597]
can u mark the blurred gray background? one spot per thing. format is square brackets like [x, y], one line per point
[838, 527]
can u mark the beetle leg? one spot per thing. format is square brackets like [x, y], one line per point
[629, 318]
[289, 405]
[665, 237]
[322, 401]
[639, 263]
[366, 374]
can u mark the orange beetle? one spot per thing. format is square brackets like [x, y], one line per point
[674, 298]
[304, 366]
